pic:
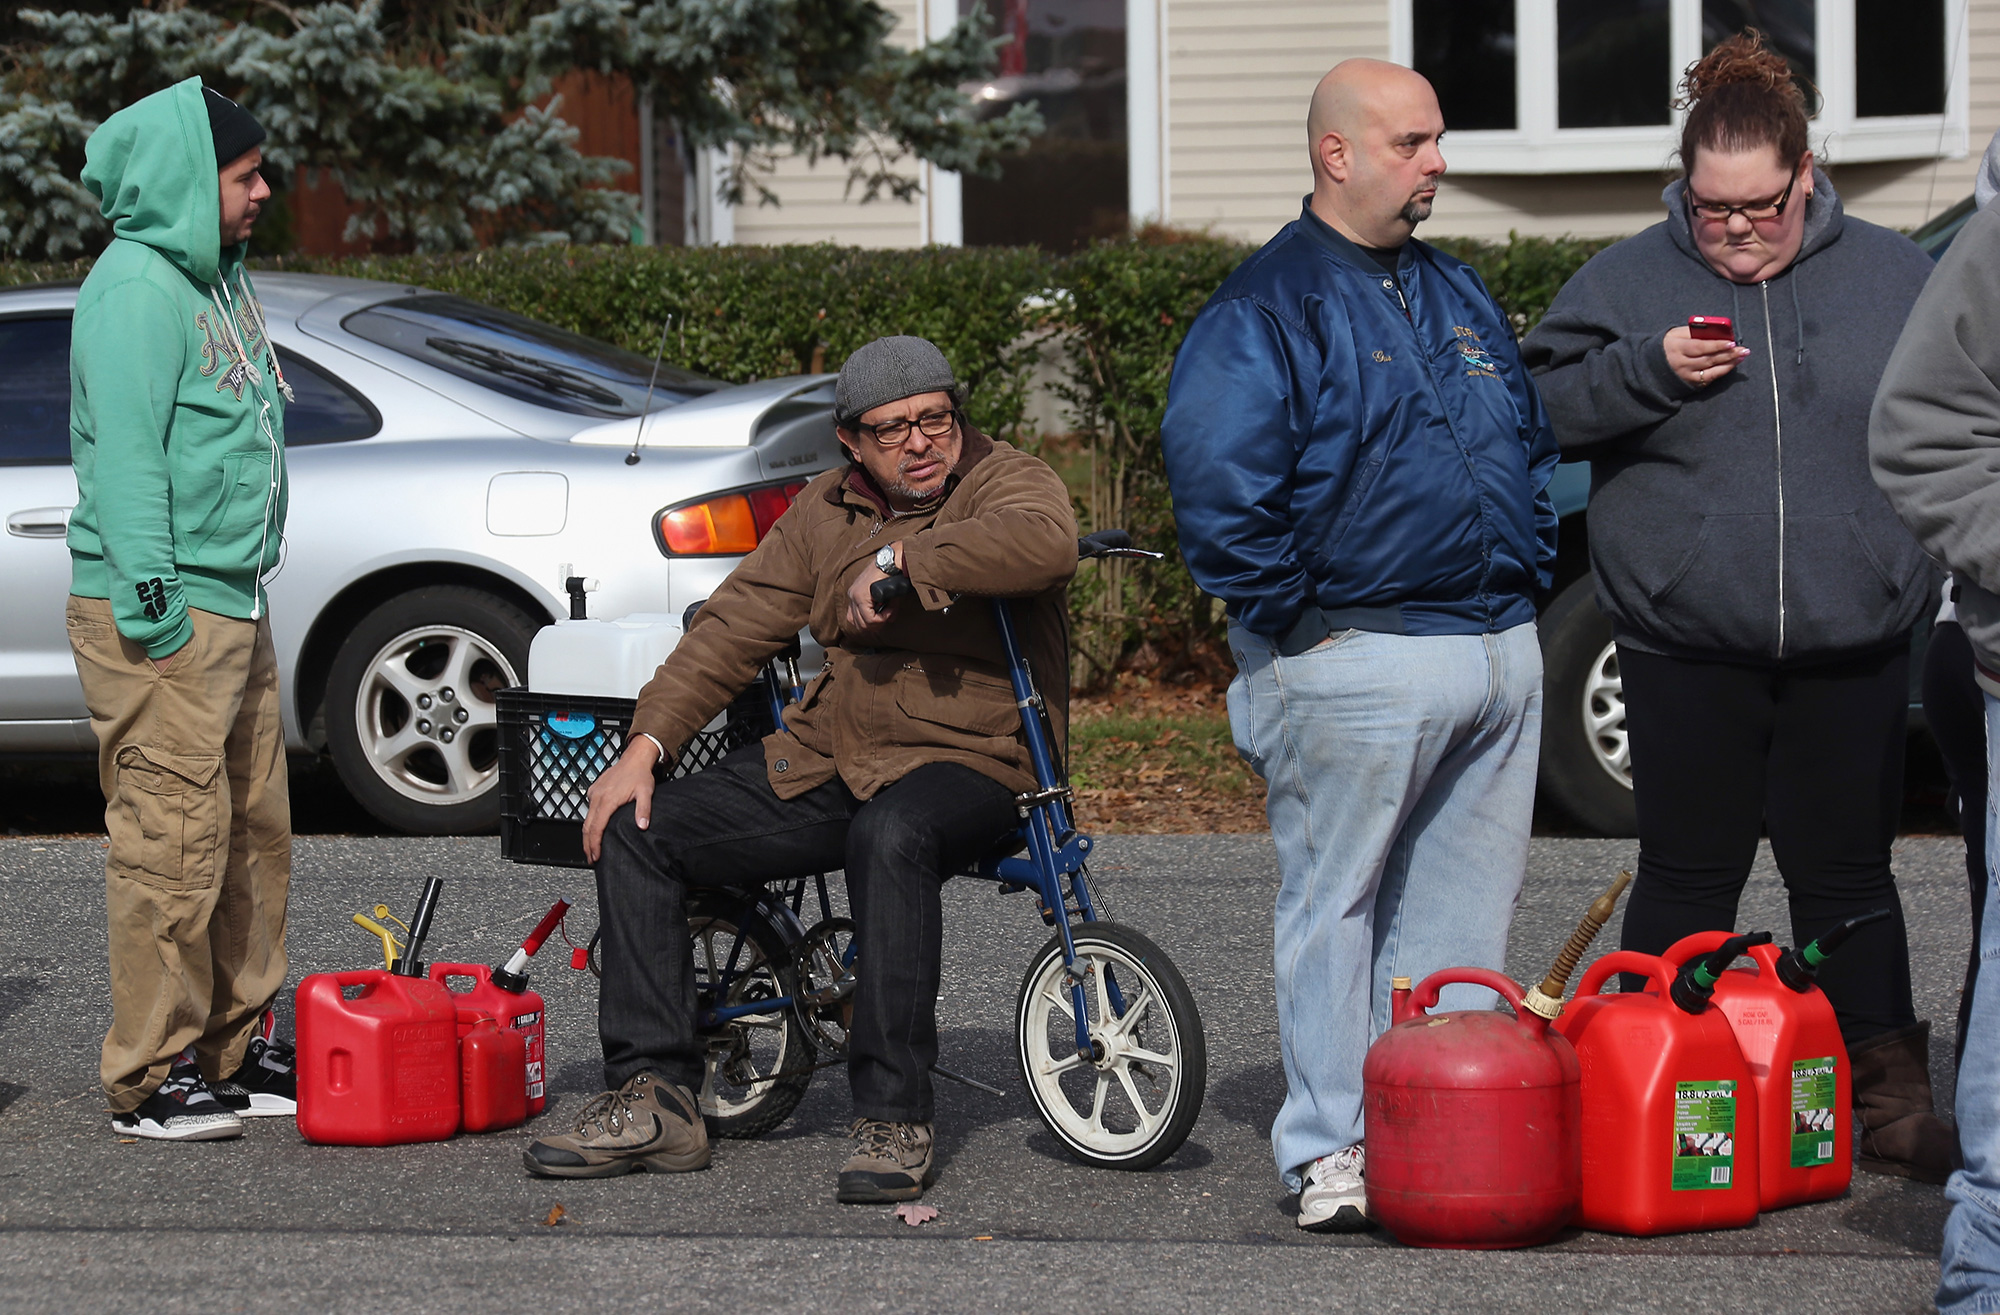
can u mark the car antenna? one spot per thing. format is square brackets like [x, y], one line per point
[646, 410]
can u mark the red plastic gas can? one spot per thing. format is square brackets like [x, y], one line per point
[380, 1069]
[1798, 1063]
[519, 1010]
[1669, 1110]
[491, 1061]
[1472, 1122]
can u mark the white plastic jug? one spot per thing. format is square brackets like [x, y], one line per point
[608, 659]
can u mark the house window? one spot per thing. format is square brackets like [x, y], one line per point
[1467, 51]
[1574, 86]
[1071, 184]
[1612, 63]
[1899, 58]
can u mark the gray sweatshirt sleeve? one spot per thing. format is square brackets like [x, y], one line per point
[1598, 381]
[1934, 433]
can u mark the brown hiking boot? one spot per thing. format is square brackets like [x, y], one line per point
[645, 1124]
[891, 1162]
[1899, 1133]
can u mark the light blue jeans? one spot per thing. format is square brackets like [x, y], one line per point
[1969, 1269]
[1402, 780]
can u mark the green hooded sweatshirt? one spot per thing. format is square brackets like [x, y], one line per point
[176, 421]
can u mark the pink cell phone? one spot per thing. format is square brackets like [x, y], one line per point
[1714, 328]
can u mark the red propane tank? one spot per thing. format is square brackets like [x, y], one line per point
[380, 1069]
[1798, 1063]
[1472, 1122]
[1669, 1111]
[491, 1061]
[520, 1010]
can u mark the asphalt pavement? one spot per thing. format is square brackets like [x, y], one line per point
[267, 1222]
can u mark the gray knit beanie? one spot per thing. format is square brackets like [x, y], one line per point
[889, 370]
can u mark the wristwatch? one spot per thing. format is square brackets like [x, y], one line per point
[885, 560]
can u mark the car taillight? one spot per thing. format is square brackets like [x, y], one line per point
[731, 523]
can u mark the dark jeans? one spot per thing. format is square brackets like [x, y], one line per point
[726, 828]
[1956, 711]
[1812, 754]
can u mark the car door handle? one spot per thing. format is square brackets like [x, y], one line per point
[39, 523]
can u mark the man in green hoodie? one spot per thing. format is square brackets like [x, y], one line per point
[176, 430]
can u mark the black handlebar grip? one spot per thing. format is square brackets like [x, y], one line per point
[1092, 544]
[888, 589]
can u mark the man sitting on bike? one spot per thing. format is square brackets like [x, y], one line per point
[899, 763]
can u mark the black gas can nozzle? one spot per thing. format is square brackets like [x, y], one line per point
[411, 965]
[1797, 968]
[1696, 981]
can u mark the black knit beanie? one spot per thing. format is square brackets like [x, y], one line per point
[234, 128]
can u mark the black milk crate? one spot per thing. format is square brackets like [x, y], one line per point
[552, 746]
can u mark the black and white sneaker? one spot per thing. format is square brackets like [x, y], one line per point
[267, 1086]
[183, 1109]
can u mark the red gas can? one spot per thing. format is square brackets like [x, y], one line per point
[380, 1069]
[520, 1010]
[1798, 1063]
[491, 1061]
[1669, 1110]
[1472, 1122]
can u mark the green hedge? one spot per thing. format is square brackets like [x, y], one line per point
[1109, 318]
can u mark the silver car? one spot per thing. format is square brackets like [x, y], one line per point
[452, 466]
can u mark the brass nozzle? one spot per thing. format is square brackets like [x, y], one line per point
[1594, 918]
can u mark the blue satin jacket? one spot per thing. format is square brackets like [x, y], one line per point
[1369, 445]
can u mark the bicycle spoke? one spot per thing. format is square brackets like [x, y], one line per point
[1134, 1006]
[1052, 1067]
[1138, 1056]
[1148, 1119]
[1057, 997]
[1097, 1103]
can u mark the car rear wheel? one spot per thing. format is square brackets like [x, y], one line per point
[410, 707]
[1586, 763]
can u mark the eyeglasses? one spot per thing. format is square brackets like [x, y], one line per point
[1755, 211]
[894, 433]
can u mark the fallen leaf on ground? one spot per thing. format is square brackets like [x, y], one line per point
[556, 1213]
[914, 1214]
[128, 1141]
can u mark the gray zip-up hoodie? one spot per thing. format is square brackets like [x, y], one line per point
[1934, 438]
[1739, 521]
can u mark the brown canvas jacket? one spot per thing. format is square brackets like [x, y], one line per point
[931, 686]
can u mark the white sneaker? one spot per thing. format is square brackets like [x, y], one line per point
[1334, 1199]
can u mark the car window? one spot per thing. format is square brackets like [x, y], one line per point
[34, 390]
[523, 358]
[323, 409]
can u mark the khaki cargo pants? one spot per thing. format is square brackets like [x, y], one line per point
[192, 762]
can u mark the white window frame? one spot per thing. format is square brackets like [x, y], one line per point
[1538, 146]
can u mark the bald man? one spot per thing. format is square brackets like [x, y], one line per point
[1360, 470]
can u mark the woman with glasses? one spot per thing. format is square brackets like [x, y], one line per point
[1761, 591]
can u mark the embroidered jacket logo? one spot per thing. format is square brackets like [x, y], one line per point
[1477, 359]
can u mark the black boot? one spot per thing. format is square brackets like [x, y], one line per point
[1899, 1131]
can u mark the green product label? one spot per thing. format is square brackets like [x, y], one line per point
[1704, 1135]
[1812, 1112]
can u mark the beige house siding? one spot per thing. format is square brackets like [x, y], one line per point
[1237, 76]
[816, 205]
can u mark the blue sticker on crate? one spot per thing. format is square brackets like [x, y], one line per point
[571, 725]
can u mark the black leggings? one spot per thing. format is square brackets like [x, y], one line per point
[1814, 754]
[1956, 711]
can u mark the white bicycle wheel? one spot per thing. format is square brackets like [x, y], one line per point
[1131, 1102]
